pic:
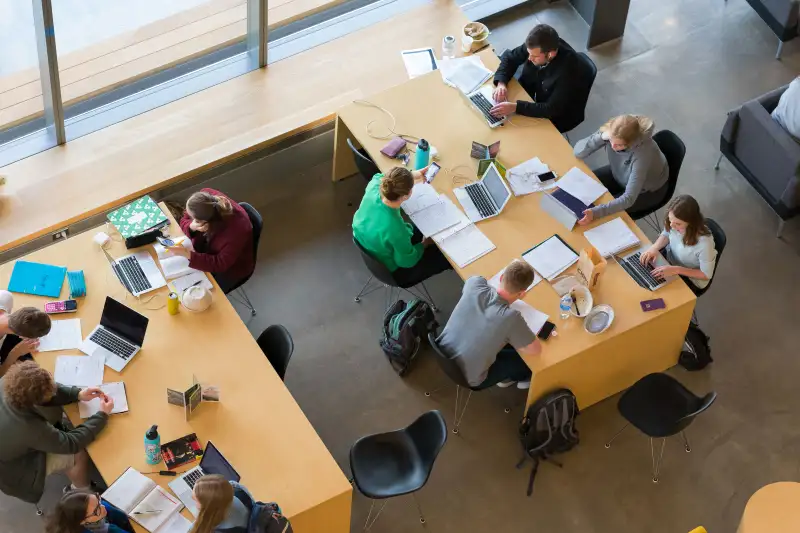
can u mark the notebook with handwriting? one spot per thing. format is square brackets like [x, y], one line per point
[146, 503]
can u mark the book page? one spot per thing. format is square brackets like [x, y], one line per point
[79, 370]
[156, 509]
[466, 246]
[177, 523]
[422, 196]
[116, 391]
[128, 490]
[611, 237]
[64, 335]
[581, 186]
[436, 218]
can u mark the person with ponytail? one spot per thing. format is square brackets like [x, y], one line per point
[224, 506]
[81, 511]
[222, 237]
[380, 229]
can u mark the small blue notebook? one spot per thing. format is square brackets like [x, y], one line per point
[37, 278]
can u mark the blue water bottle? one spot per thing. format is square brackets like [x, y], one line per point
[423, 154]
[152, 446]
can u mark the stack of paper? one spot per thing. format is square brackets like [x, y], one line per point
[116, 391]
[462, 223]
[419, 61]
[533, 317]
[495, 281]
[466, 245]
[190, 280]
[465, 73]
[612, 237]
[524, 178]
[422, 195]
[174, 266]
[79, 370]
[551, 257]
[436, 217]
[581, 186]
[64, 335]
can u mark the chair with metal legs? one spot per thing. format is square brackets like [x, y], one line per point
[660, 406]
[258, 225]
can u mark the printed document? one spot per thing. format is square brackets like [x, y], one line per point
[116, 391]
[583, 187]
[64, 335]
[79, 370]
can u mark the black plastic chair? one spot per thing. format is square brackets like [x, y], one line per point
[364, 163]
[589, 75]
[384, 276]
[674, 151]
[398, 462]
[278, 346]
[258, 225]
[720, 240]
[660, 406]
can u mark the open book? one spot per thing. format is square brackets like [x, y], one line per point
[174, 266]
[146, 503]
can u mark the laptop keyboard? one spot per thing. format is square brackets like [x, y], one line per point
[640, 273]
[134, 273]
[112, 343]
[480, 198]
[192, 477]
[483, 104]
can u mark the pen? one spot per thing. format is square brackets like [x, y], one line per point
[196, 283]
[148, 512]
[575, 303]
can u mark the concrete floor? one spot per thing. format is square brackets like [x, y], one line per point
[684, 63]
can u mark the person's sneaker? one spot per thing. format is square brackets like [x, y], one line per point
[523, 385]
[506, 383]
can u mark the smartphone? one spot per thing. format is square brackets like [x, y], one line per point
[547, 176]
[165, 241]
[652, 305]
[431, 172]
[546, 330]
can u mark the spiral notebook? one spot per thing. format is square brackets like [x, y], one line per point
[612, 237]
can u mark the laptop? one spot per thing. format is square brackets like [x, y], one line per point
[482, 101]
[563, 207]
[640, 273]
[137, 272]
[485, 198]
[213, 462]
[119, 336]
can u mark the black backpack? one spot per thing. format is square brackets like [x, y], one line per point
[404, 327]
[548, 429]
[696, 353]
[264, 517]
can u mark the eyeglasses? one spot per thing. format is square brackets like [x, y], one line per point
[98, 511]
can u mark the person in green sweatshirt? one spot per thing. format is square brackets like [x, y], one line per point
[379, 227]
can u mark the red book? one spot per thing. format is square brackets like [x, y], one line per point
[181, 451]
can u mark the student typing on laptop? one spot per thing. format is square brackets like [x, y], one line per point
[379, 227]
[19, 331]
[690, 245]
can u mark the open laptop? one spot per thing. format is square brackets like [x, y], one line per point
[640, 273]
[137, 272]
[486, 197]
[213, 462]
[119, 336]
[482, 101]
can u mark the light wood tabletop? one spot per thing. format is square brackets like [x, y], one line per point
[773, 509]
[593, 366]
[257, 425]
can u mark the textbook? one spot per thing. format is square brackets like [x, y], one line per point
[138, 217]
[181, 451]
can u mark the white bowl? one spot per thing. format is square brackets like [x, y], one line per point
[583, 300]
[196, 299]
[599, 319]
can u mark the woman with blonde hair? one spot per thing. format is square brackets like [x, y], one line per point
[221, 511]
[379, 227]
[637, 172]
[221, 235]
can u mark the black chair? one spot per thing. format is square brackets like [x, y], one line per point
[720, 240]
[659, 406]
[364, 163]
[589, 75]
[674, 151]
[278, 346]
[258, 225]
[379, 272]
[398, 462]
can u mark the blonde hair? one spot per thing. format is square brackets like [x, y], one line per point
[517, 276]
[629, 128]
[206, 207]
[397, 183]
[215, 495]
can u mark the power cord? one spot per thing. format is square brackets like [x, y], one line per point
[390, 128]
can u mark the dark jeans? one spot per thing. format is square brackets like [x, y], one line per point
[431, 263]
[646, 198]
[508, 365]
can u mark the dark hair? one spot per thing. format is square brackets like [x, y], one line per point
[206, 207]
[26, 385]
[686, 208]
[69, 513]
[397, 183]
[543, 37]
[29, 322]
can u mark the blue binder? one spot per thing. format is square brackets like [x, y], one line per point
[37, 278]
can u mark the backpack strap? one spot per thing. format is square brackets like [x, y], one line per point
[240, 494]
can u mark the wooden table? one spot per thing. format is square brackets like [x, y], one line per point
[258, 426]
[772, 509]
[594, 367]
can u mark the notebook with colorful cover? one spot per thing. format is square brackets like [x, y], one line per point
[37, 278]
[138, 217]
[181, 451]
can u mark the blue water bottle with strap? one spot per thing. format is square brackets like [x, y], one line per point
[423, 154]
[152, 446]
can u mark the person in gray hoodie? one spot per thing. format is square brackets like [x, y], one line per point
[637, 172]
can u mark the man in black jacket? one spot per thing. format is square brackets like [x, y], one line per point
[552, 75]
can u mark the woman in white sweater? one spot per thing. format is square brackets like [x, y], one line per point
[691, 251]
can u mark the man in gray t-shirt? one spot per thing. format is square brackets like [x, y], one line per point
[483, 324]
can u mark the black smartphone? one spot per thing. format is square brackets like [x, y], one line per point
[547, 176]
[546, 330]
[431, 173]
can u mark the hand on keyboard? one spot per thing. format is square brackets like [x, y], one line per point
[648, 256]
[664, 272]
[500, 93]
[503, 109]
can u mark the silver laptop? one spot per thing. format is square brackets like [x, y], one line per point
[119, 336]
[137, 272]
[640, 273]
[482, 101]
[485, 198]
[558, 211]
[213, 462]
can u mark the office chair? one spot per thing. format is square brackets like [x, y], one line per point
[385, 279]
[674, 151]
[659, 406]
[278, 346]
[258, 225]
[590, 73]
[364, 163]
[398, 462]
[720, 240]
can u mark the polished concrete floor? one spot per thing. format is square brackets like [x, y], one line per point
[684, 63]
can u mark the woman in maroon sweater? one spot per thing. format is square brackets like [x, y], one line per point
[222, 236]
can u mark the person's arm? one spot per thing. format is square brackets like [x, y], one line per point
[184, 223]
[707, 259]
[585, 147]
[234, 243]
[531, 350]
[47, 438]
[509, 63]
[632, 189]
[650, 254]
[21, 349]
[523, 339]
[563, 95]
[405, 254]
[64, 396]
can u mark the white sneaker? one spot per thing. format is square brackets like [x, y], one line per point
[524, 385]
[506, 383]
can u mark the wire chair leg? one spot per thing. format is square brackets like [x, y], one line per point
[608, 444]
[419, 509]
[459, 418]
[656, 464]
[652, 220]
[39, 511]
[246, 301]
[716, 166]
[363, 291]
[368, 525]
[433, 304]
[686, 442]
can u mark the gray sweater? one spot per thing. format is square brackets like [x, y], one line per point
[27, 438]
[640, 167]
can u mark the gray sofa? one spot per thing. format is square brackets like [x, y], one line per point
[766, 155]
[781, 16]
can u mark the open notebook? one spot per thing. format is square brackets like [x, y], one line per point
[174, 266]
[146, 503]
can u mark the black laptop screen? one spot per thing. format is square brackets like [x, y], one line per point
[124, 321]
[214, 463]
